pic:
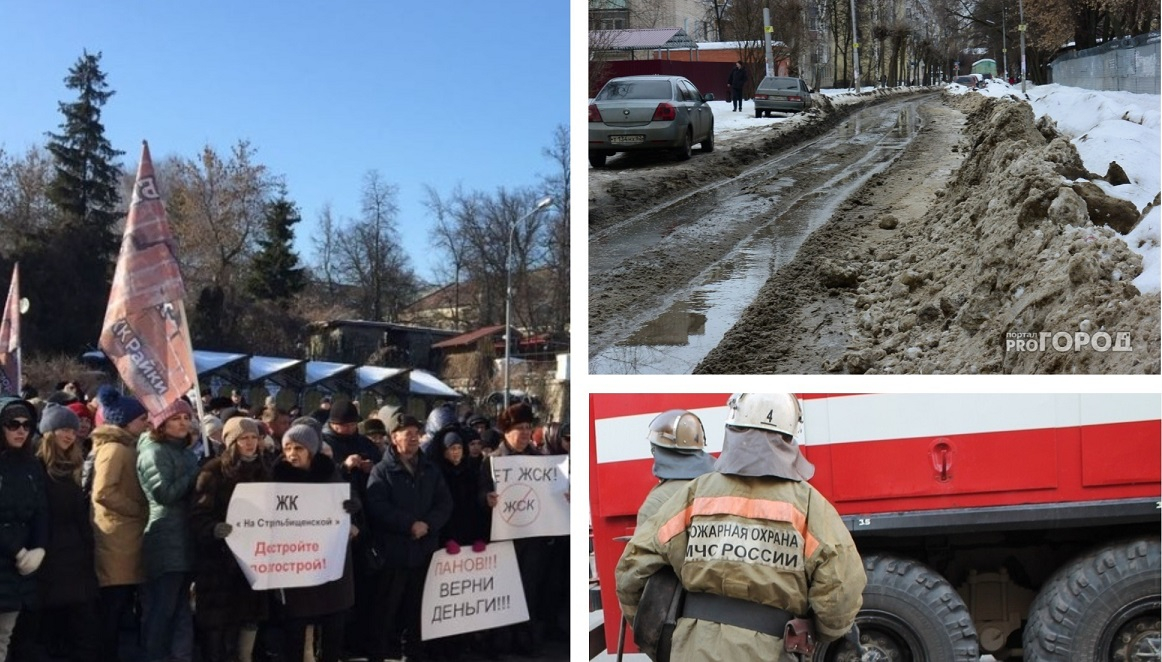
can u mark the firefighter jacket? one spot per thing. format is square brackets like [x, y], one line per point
[766, 540]
[660, 494]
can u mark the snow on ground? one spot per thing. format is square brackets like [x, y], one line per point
[1108, 126]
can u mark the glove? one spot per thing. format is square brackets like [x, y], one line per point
[28, 560]
[451, 547]
[351, 506]
[478, 546]
[222, 529]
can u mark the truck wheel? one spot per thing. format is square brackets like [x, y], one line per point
[910, 614]
[1104, 605]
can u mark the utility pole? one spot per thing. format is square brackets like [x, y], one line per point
[1021, 29]
[855, 44]
[767, 30]
[1004, 44]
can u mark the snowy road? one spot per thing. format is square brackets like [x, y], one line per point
[680, 274]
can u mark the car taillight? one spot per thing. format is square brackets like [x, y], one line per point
[762, 97]
[665, 112]
[594, 114]
[794, 98]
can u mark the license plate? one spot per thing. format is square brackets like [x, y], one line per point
[626, 140]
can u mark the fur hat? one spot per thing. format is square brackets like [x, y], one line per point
[238, 426]
[176, 407]
[514, 416]
[117, 409]
[346, 412]
[58, 417]
[303, 435]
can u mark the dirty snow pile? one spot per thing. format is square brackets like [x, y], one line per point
[1105, 127]
[1021, 242]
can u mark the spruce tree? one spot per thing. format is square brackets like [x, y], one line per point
[274, 273]
[86, 191]
[87, 184]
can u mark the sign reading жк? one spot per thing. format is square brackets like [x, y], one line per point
[289, 534]
[532, 499]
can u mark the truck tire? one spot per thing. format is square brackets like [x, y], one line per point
[1103, 605]
[910, 614]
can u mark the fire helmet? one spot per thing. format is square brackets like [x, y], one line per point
[679, 429]
[773, 412]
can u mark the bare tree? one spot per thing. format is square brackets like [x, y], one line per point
[216, 206]
[557, 184]
[368, 253]
[24, 203]
[324, 245]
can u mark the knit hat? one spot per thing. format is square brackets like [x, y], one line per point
[514, 416]
[58, 417]
[176, 407]
[18, 409]
[453, 438]
[303, 435]
[400, 420]
[309, 421]
[117, 409]
[374, 426]
[211, 424]
[238, 426]
[81, 410]
[344, 413]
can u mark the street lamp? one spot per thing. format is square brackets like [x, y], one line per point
[541, 204]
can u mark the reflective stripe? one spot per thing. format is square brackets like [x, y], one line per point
[776, 511]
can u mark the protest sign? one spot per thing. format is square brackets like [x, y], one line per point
[472, 591]
[531, 492]
[289, 534]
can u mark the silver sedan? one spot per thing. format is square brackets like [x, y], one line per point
[781, 94]
[649, 113]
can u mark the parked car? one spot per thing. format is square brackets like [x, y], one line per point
[781, 94]
[971, 81]
[635, 113]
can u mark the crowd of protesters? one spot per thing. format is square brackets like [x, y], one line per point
[113, 529]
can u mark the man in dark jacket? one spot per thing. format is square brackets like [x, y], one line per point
[407, 505]
[356, 455]
[736, 81]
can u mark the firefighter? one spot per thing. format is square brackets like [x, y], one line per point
[756, 548]
[677, 440]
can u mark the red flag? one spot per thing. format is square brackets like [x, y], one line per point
[145, 332]
[10, 338]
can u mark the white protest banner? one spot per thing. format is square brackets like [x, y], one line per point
[531, 491]
[289, 534]
[472, 591]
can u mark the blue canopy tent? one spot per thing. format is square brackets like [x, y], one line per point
[330, 377]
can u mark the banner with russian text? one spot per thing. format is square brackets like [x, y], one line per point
[289, 534]
[146, 334]
[532, 493]
[472, 591]
[10, 371]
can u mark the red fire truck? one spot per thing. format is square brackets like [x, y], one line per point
[1002, 524]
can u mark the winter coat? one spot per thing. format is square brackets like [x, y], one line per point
[224, 596]
[343, 445]
[398, 498]
[796, 554]
[167, 470]
[120, 510]
[23, 518]
[468, 521]
[737, 78]
[67, 575]
[660, 494]
[332, 597]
